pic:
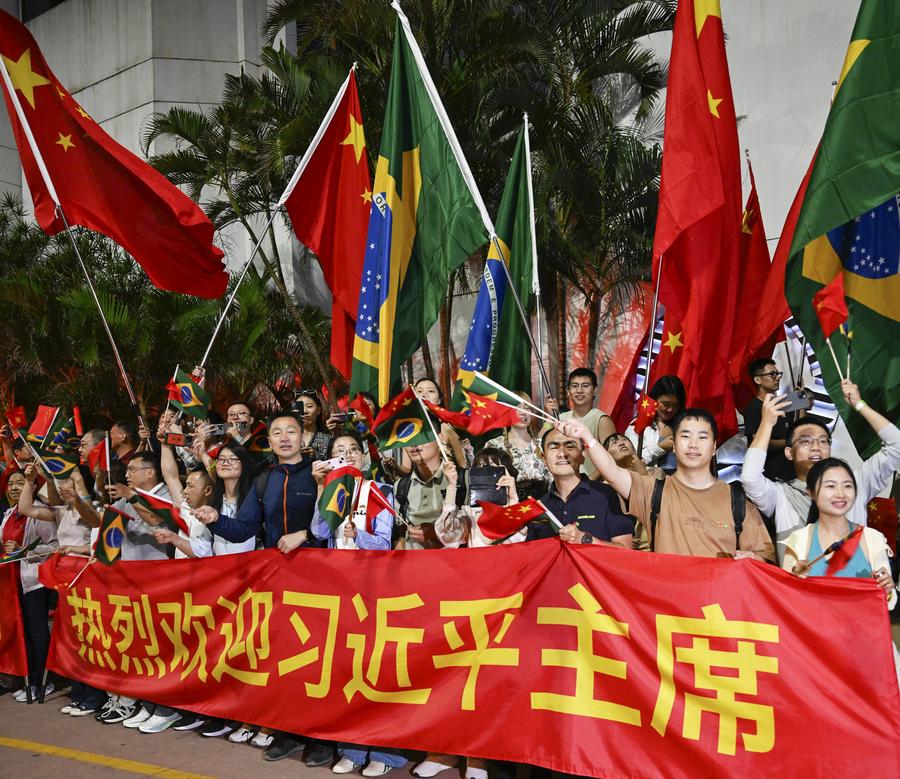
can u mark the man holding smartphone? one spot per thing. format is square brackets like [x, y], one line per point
[808, 441]
[767, 378]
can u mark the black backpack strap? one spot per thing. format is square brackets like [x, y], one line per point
[655, 506]
[738, 510]
[401, 495]
[261, 482]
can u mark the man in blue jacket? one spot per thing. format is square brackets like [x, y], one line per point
[284, 512]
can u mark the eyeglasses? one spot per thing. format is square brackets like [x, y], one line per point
[341, 452]
[133, 468]
[773, 374]
[805, 443]
[585, 386]
[228, 460]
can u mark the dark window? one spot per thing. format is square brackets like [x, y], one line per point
[34, 8]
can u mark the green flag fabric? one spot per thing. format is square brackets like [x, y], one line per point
[498, 343]
[402, 422]
[59, 465]
[336, 501]
[424, 223]
[849, 222]
[188, 396]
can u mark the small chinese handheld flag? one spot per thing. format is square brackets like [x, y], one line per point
[646, 414]
[401, 422]
[16, 417]
[165, 510]
[501, 521]
[844, 551]
[830, 305]
[328, 201]
[99, 456]
[483, 414]
[376, 503]
[336, 501]
[69, 159]
[43, 422]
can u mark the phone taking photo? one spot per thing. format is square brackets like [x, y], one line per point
[799, 401]
[336, 462]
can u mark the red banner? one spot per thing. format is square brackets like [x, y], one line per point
[587, 660]
[12, 635]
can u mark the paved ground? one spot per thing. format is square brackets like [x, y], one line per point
[38, 742]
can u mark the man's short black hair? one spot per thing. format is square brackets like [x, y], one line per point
[281, 414]
[807, 420]
[150, 459]
[755, 367]
[553, 430]
[128, 429]
[586, 372]
[695, 413]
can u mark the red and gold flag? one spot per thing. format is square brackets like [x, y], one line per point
[498, 522]
[646, 413]
[98, 183]
[481, 415]
[830, 304]
[699, 222]
[328, 202]
[882, 515]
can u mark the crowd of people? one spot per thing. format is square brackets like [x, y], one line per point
[654, 492]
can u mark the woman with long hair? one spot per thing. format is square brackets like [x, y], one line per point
[655, 445]
[314, 434]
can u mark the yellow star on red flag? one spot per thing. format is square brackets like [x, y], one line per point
[65, 141]
[24, 79]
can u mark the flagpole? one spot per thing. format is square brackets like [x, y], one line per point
[535, 281]
[51, 190]
[653, 311]
[434, 431]
[304, 161]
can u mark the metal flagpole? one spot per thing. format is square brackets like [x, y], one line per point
[535, 281]
[298, 171]
[653, 312]
[51, 190]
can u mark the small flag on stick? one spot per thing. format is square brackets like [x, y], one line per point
[165, 510]
[646, 414]
[498, 522]
[843, 549]
[336, 502]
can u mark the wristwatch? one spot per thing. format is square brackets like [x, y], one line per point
[587, 538]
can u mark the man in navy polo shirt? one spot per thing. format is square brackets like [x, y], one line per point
[587, 509]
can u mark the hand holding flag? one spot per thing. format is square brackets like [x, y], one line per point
[844, 549]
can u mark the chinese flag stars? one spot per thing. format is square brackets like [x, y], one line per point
[65, 141]
[23, 76]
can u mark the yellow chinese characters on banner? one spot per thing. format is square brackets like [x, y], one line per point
[458, 645]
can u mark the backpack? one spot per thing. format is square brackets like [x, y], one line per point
[738, 510]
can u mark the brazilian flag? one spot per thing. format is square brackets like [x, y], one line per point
[402, 422]
[66, 437]
[424, 223]
[849, 223]
[191, 398]
[59, 465]
[336, 501]
[111, 537]
[498, 343]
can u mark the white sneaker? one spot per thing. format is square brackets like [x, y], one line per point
[138, 719]
[262, 740]
[21, 695]
[240, 736]
[343, 766]
[67, 708]
[428, 768]
[158, 723]
[376, 768]
[476, 773]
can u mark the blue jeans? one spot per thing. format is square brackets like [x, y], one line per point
[358, 755]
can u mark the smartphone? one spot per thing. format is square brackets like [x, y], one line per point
[336, 462]
[483, 486]
[179, 439]
[340, 417]
[799, 401]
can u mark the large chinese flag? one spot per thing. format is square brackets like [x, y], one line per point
[328, 203]
[100, 184]
[754, 269]
[699, 222]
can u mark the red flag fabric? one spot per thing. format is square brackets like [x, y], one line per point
[76, 416]
[882, 515]
[99, 456]
[831, 305]
[359, 404]
[376, 503]
[482, 416]
[773, 308]
[646, 413]
[498, 522]
[844, 553]
[100, 184]
[16, 417]
[13, 659]
[699, 222]
[42, 422]
[329, 209]
[753, 267]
